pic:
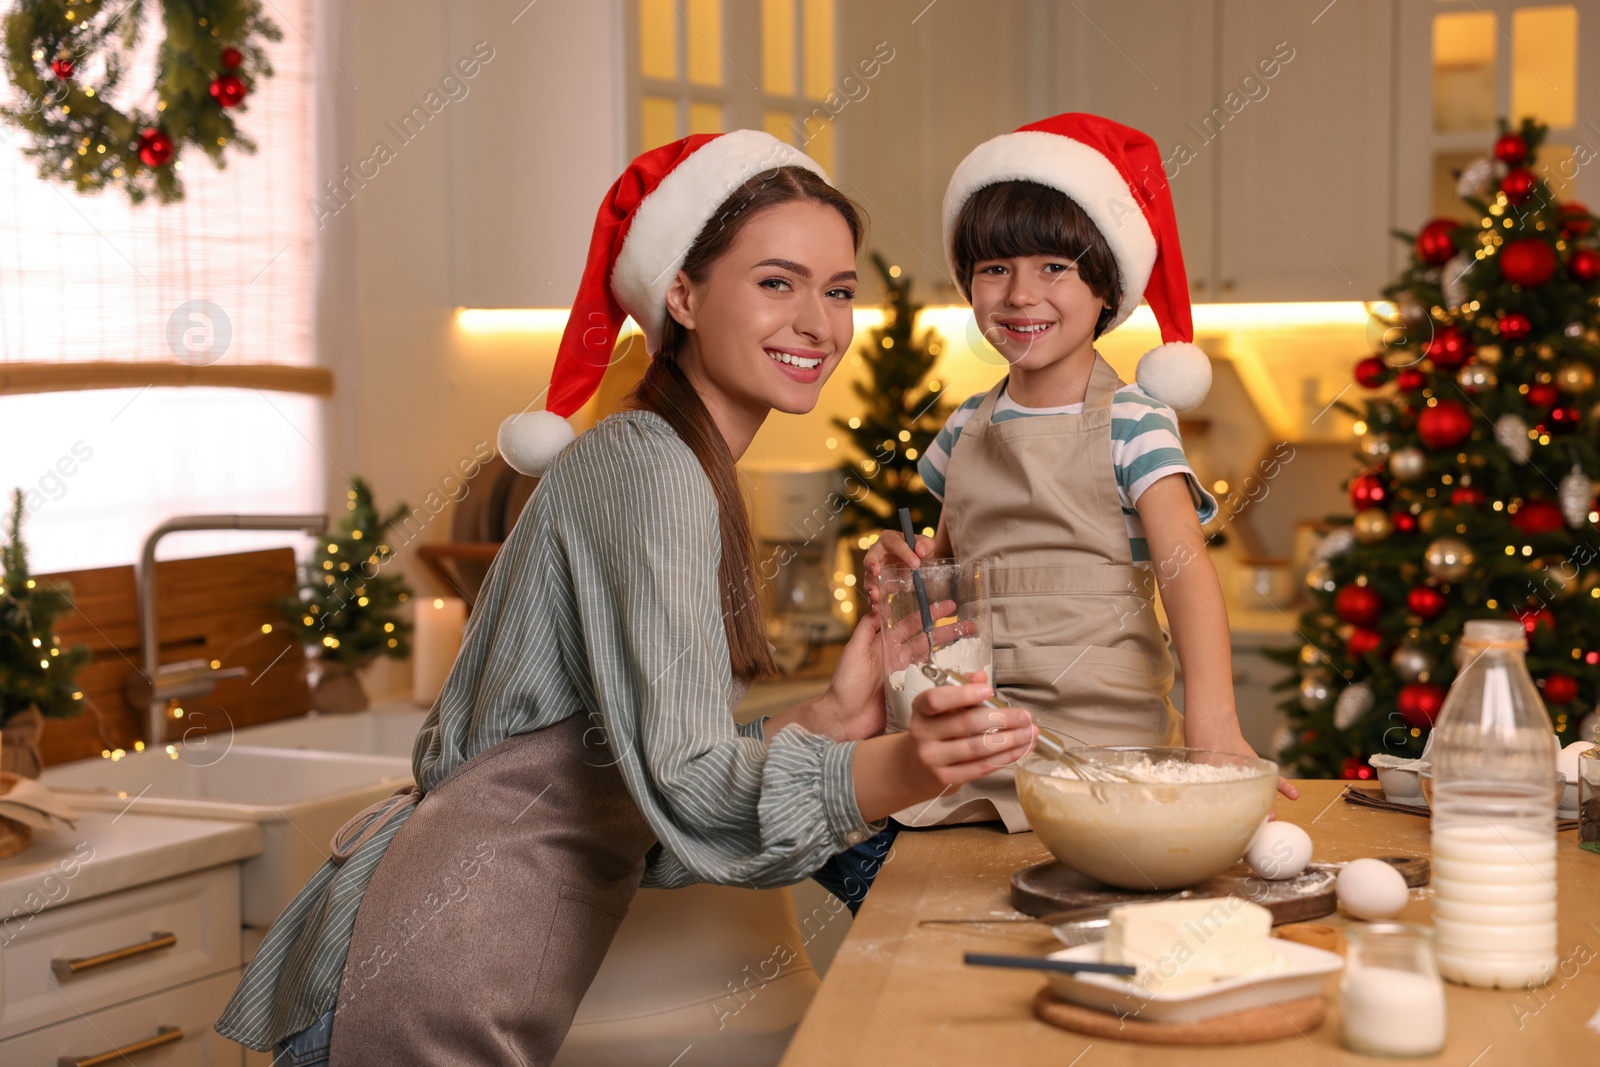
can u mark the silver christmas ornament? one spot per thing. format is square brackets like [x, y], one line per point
[1478, 178]
[1576, 494]
[1475, 377]
[1412, 311]
[1335, 542]
[1573, 329]
[1316, 689]
[1512, 433]
[1352, 705]
[1375, 445]
[1319, 577]
[1282, 738]
[1453, 279]
[1448, 558]
[1408, 464]
[1410, 663]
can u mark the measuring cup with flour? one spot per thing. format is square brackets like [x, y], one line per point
[958, 596]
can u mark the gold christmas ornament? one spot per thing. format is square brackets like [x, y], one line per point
[1372, 525]
[1489, 354]
[1319, 578]
[1408, 464]
[1474, 378]
[1448, 558]
[1553, 576]
[1375, 445]
[1575, 377]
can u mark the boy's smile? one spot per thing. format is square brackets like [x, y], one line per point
[1035, 310]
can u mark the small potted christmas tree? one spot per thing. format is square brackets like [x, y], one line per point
[38, 678]
[347, 612]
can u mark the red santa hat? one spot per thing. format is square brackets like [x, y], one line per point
[647, 223]
[1114, 173]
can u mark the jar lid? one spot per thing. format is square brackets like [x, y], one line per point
[1495, 632]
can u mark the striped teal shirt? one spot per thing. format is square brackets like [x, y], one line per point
[1145, 447]
[604, 602]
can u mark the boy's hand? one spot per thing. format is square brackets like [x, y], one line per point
[891, 550]
[957, 739]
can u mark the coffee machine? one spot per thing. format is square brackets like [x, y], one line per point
[795, 516]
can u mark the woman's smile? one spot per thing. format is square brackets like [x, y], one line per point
[801, 364]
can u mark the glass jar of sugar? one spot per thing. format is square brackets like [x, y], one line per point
[958, 600]
[1391, 1001]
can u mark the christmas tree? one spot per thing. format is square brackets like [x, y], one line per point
[902, 414]
[1475, 499]
[35, 671]
[348, 608]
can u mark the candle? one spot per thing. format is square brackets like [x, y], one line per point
[439, 624]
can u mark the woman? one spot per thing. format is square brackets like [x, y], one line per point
[582, 744]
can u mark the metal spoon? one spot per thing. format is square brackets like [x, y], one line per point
[1037, 963]
[916, 580]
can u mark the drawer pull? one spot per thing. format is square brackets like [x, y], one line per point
[67, 968]
[166, 1035]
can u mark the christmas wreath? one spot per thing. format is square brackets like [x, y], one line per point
[67, 60]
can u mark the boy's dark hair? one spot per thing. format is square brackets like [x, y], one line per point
[1021, 218]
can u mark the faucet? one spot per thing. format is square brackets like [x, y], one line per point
[160, 682]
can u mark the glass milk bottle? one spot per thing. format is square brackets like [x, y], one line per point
[1493, 809]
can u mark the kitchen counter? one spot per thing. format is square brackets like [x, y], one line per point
[108, 853]
[897, 992]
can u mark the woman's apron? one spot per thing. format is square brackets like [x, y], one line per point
[1076, 639]
[488, 917]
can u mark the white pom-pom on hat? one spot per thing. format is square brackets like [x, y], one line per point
[531, 440]
[1177, 373]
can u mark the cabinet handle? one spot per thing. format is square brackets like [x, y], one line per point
[67, 968]
[1227, 285]
[165, 1035]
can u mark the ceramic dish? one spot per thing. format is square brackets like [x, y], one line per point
[1399, 778]
[1303, 972]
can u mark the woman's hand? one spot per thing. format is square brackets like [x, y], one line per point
[853, 708]
[1232, 742]
[890, 549]
[958, 739]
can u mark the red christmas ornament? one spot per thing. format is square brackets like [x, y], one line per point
[1363, 641]
[1575, 219]
[1514, 326]
[1435, 245]
[1419, 703]
[1528, 262]
[1449, 347]
[1426, 601]
[1411, 380]
[229, 90]
[1466, 496]
[1560, 688]
[1359, 604]
[1355, 768]
[1543, 395]
[1564, 420]
[1444, 425]
[1372, 372]
[1518, 185]
[1405, 522]
[1537, 617]
[1367, 491]
[155, 148]
[1584, 265]
[1537, 517]
[62, 68]
[231, 58]
[1510, 149]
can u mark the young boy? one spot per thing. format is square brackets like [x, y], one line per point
[1071, 483]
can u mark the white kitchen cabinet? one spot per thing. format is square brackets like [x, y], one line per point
[171, 1028]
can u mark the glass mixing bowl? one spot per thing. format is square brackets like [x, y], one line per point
[1148, 834]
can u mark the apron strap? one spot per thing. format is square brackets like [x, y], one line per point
[985, 412]
[382, 812]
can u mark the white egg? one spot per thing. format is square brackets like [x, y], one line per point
[1279, 850]
[1567, 758]
[1372, 889]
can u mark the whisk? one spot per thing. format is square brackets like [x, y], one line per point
[1048, 744]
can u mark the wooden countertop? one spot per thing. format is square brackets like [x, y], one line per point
[897, 992]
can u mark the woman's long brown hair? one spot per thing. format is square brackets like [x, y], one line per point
[667, 391]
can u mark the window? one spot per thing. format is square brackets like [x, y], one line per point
[706, 66]
[87, 280]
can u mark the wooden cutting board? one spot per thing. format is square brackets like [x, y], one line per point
[1269, 1023]
[1052, 887]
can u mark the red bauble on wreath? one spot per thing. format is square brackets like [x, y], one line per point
[1514, 326]
[1510, 149]
[229, 90]
[1367, 491]
[1359, 604]
[1449, 347]
[1518, 185]
[231, 58]
[1560, 689]
[155, 148]
[1371, 372]
[1444, 425]
[1435, 245]
[1426, 601]
[1363, 641]
[1528, 262]
[1419, 703]
[62, 68]
[1584, 265]
[1537, 516]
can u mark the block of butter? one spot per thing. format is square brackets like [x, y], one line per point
[1185, 944]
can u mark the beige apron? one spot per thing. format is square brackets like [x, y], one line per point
[491, 911]
[1076, 639]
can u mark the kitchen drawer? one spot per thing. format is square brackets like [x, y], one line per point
[168, 933]
[179, 1018]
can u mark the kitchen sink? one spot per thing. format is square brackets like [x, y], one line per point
[299, 799]
[386, 729]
